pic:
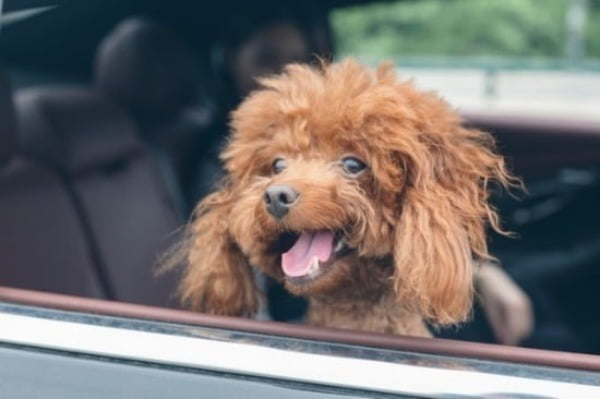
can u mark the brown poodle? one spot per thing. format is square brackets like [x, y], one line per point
[353, 189]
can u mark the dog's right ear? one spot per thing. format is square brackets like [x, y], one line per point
[217, 278]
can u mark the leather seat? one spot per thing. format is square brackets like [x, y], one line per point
[114, 180]
[44, 245]
[153, 74]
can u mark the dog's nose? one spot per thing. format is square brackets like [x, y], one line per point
[279, 198]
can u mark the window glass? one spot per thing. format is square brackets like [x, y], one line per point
[530, 57]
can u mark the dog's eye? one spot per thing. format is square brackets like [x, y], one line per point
[353, 165]
[278, 166]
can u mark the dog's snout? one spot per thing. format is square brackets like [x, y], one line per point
[279, 198]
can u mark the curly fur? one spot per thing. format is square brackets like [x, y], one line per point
[415, 219]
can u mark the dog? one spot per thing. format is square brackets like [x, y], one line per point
[353, 189]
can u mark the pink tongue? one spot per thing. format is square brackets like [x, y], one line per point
[297, 261]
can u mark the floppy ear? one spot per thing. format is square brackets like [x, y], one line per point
[445, 212]
[217, 278]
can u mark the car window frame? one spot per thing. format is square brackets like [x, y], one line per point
[283, 359]
[436, 346]
[240, 349]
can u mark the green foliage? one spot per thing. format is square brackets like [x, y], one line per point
[592, 33]
[512, 28]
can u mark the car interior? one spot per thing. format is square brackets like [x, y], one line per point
[112, 114]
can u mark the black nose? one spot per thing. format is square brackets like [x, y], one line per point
[279, 198]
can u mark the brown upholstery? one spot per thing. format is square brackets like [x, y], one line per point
[114, 180]
[146, 68]
[153, 74]
[7, 123]
[537, 147]
[67, 140]
[43, 244]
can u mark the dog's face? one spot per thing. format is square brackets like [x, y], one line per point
[310, 211]
[335, 170]
[312, 201]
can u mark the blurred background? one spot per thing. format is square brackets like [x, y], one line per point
[113, 112]
[522, 57]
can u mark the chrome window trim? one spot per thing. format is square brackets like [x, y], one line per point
[197, 349]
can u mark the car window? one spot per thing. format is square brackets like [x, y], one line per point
[527, 71]
[522, 57]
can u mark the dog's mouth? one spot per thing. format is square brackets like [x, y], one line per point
[308, 255]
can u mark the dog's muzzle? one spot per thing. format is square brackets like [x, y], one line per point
[279, 198]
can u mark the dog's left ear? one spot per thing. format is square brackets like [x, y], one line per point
[441, 229]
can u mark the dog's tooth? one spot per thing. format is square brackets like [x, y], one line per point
[339, 245]
[314, 264]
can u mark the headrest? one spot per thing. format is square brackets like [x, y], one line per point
[73, 128]
[146, 69]
[8, 138]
